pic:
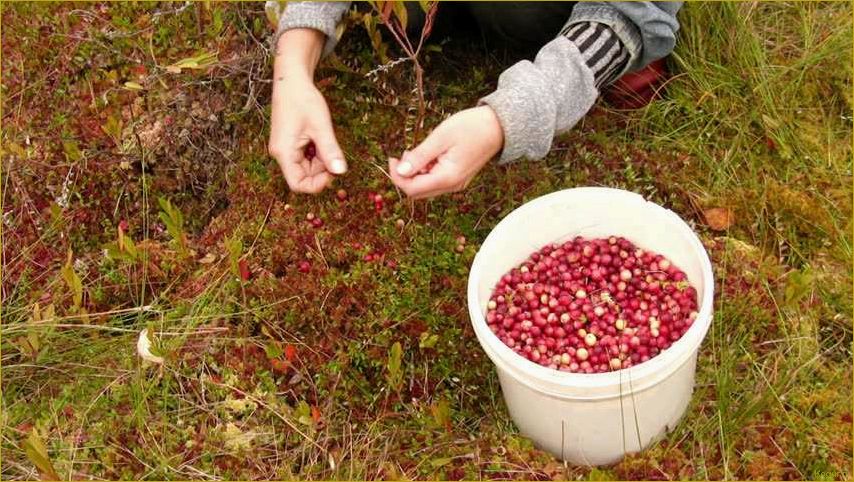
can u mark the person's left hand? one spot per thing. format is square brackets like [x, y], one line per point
[451, 156]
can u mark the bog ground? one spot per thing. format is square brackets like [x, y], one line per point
[137, 193]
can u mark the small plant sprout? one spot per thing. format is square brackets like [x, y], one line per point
[174, 221]
[394, 16]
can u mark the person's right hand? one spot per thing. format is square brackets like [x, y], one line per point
[300, 118]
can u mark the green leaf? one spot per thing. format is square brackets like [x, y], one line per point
[24, 347]
[73, 282]
[174, 221]
[133, 86]
[16, 149]
[394, 375]
[114, 253]
[35, 344]
[598, 474]
[426, 340]
[216, 23]
[72, 152]
[130, 247]
[113, 128]
[56, 219]
[303, 413]
[273, 350]
[798, 285]
[201, 61]
[36, 452]
[436, 463]
[235, 251]
[401, 14]
[441, 412]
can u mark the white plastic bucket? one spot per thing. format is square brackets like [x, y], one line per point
[593, 419]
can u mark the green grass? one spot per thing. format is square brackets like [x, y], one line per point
[287, 375]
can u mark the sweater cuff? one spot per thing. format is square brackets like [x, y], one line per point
[322, 16]
[522, 118]
[536, 100]
[602, 50]
[622, 27]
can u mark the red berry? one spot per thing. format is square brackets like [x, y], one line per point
[290, 353]
[310, 151]
[591, 305]
[243, 267]
[303, 266]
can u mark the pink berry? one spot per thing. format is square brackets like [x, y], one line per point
[591, 305]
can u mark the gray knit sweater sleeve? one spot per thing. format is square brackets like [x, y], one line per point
[323, 16]
[536, 100]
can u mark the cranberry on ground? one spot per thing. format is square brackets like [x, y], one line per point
[592, 305]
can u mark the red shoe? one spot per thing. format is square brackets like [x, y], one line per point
[637, 89]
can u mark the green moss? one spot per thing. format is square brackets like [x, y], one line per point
[756, 119]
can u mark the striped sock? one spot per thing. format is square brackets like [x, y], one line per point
[602, 50]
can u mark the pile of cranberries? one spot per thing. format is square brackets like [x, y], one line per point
[592, 305]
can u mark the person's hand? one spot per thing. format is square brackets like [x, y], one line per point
[301, 136]
[300, 117]
[451, 156]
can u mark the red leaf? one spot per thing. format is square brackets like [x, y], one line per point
[325, 82]
[245, 274]
[24, 427]
[770, 143]
[315, 413]
[278, 366]
[290, 353]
